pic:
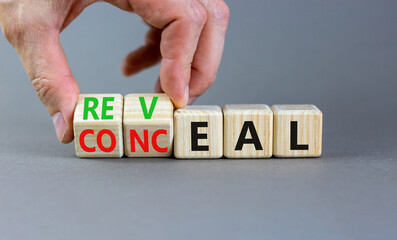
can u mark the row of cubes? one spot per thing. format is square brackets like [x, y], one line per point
[147, 125]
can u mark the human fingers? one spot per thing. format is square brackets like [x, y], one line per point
[49, 72]
[182, 23]
[145, 56]
[210, 48]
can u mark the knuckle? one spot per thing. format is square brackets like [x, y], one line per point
[7, 33]
[221, 12]
[197, 14]
[43, 88]
[10, 30]
[20, 26]
[16, 31]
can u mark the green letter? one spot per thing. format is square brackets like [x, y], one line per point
[146, 114]
[87, 108]
[105, 108]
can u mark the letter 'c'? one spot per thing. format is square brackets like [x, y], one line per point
[81, 140]
[154, 141]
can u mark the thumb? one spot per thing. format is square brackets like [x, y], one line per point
[48, 69]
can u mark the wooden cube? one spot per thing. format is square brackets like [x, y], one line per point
[148, 125]
[297, 131]
[97, 125]
[198, 132]
[248, 131]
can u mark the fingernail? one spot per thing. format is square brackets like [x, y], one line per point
[187, 95]
[191, 100]
[60, 125]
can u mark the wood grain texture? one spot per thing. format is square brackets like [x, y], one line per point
[260, 118]
[183, 118]
[134, 119]
[97, 125]
[309, 122]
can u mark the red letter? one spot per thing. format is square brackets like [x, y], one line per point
[154, 140]
[144, 145]
[81, 140]
[112, 140]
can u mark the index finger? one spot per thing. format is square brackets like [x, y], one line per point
[182, 22]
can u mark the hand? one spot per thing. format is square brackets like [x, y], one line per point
[187, 36]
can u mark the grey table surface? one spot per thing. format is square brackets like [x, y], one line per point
[339, 55]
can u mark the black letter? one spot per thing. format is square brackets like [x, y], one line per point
[294, 138]
[248, 125]
[196, 136]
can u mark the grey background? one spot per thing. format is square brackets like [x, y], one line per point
[339, 55]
